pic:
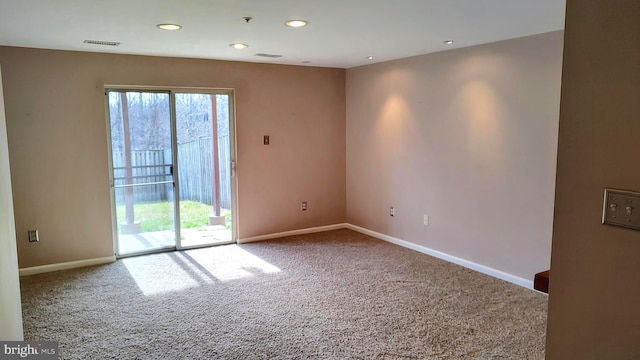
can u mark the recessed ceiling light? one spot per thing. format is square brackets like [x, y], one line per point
[296, 23]
[369, 57]
[169, 26]
[448, 42]
[239, 46]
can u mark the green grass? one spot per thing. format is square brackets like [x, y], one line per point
[158, 216]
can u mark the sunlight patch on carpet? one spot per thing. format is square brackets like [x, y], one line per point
[182, 270]
[226, 263]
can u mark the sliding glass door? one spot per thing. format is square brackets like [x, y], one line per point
[142, 170]
[171, 162]
[204, 168]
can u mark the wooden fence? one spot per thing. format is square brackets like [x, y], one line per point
[194, 167]
[195, 171]
[146, 167]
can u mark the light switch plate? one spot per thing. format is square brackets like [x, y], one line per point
[33, 236]
[621, 208]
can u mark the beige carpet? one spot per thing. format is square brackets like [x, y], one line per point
[332, 295]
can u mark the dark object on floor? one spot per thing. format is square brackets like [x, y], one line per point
[541, 282]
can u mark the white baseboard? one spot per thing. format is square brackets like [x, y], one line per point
[292, 232]
[444, 256]
[66, 265]
[425, 250]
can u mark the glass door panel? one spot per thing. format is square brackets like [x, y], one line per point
[142, 171]
[204, 174]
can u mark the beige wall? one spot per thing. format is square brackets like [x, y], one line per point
[466, 136]
[58, 145]
[594, 302]
[10, 308]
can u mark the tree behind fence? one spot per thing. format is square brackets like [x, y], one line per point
[195, 175]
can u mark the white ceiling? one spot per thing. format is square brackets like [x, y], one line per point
[341, 33]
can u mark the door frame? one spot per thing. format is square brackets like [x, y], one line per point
[172, 90]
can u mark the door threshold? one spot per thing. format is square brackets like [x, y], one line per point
[146, 252]
[164, 250]
[200, 246]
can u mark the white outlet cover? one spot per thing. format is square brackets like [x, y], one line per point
[425, 219]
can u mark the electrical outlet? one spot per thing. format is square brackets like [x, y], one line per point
[33, 236]
[392, 211]
[265, 140]
[303, 206]
[425, 219]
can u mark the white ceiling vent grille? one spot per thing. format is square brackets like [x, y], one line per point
[105, 43]
[268, 55]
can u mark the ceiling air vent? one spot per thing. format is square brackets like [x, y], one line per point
[105, 43]
[268, 55]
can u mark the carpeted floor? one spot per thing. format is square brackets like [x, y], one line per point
[331, 295]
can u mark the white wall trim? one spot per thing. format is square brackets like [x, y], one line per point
[423, 249]
[292, 232]
[66, 265]
[444, 256]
